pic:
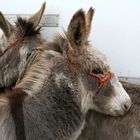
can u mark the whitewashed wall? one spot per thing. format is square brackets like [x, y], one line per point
[116, 26]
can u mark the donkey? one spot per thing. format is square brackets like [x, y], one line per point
[127, 127]
[59, 87]
[18, 42]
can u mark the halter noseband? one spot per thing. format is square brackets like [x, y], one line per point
[102, 79]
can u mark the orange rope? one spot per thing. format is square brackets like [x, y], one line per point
[12, 45]
[102, 80]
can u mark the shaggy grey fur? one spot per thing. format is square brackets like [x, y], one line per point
[56, 91]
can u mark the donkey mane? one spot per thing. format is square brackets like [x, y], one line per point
[27, 28]
[37, 70]
[59, 42]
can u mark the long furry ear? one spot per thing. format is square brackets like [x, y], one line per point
[76, 29]
[36, 18]
[89, 18]
[5, 25]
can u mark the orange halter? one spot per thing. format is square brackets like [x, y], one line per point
[102, 80]
[12, 45]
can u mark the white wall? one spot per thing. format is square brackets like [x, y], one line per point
[116, 26]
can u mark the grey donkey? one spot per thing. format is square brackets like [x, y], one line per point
[58, 88]
[16, 45]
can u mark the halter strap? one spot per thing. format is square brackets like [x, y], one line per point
[101, 79]
[12, 45]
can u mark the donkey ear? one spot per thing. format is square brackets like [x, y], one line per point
[5, 25]
[89, 18]
[35, 19]
[76, 29]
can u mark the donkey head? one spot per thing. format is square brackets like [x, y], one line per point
[99, 87]
[18, 41]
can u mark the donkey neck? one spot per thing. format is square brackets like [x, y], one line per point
[37, 70]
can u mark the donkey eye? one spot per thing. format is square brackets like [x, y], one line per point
[97, 71]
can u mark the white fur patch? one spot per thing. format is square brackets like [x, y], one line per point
[86, 98]
[121, 98]
[58, 78]
[23, 54]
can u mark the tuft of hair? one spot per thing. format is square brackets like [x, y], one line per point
[27, 28]
[61, 43]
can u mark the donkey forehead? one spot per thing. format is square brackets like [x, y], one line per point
[97, 57]
[91, 48]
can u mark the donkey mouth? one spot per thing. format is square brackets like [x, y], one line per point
[120, 112]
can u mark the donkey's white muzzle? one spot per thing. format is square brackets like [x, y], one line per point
[120, 103]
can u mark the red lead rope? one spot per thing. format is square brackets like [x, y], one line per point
[12, 45]
[102, 80]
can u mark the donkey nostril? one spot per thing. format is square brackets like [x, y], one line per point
[127, 106]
